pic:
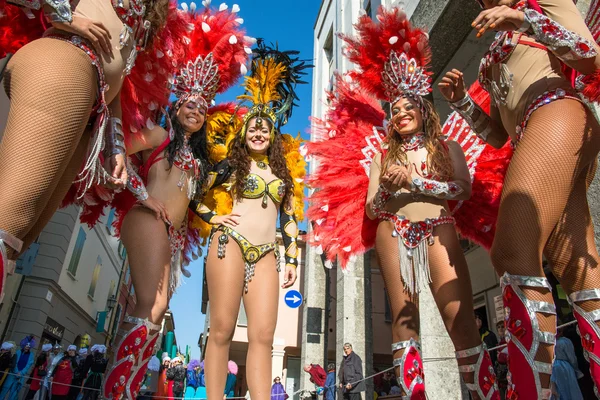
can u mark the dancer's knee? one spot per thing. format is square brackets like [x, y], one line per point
[262, 336]
[221, 332]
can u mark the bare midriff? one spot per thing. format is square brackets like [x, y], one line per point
[162, 184]
[257, 224]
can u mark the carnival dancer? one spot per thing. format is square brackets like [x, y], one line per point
[413, 172]
[244, 253]
[169, 166]
[94, 45]
[542, 213]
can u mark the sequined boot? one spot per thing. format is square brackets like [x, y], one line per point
[134, 346]
[411, 378]
[7, 265]
[524, 337]
[484, 377]
[588, 331]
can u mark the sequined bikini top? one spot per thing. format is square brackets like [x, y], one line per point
[256, 187]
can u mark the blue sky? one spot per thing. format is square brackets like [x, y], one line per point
[290, 25]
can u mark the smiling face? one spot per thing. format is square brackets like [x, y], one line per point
[191, 116]
[406, 117]
[258, 135]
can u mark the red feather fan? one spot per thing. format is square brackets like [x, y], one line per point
[147, 89]
[476, 218]
[337, 206]
[374, 42]
[17, 29]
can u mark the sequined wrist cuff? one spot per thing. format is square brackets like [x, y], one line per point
[381, 198]
[441, 190]
[135, 185]
[115, 139]
[481, 126]
[558, 38]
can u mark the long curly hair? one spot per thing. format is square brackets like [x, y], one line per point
[197, 142]
[239, 159]
[439, 162]
[156, 14]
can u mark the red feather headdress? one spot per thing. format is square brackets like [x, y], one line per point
[217, 53]
[393, 57]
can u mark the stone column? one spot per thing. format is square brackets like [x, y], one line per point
[442, 379]
[354, 324]
[277, 356]
[314, 345]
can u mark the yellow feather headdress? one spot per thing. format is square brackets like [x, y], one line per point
[270, 87]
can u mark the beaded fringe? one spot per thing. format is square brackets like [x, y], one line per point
[414, 266]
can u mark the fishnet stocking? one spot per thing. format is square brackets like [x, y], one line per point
[52, 87]
[60, 191]
[451, 288]
[545, 185]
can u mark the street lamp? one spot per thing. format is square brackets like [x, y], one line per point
[111, 302]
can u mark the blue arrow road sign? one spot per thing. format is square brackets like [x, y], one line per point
[293, 299]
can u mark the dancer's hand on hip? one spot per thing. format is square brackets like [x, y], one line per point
[115, 164]
[93, 31]
[290, 276]
[452, 86]
[230, 220]
[500, 18]
[158, 207]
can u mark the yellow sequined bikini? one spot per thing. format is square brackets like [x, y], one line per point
[254, 188]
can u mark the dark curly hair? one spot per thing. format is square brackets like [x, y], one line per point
[239, 159]
[197, 143]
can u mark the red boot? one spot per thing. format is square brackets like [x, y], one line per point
[484, 376]
[132, 347]
[139, 372]
[7, 265]
[525, 337]
[411, 378]
[588, 331]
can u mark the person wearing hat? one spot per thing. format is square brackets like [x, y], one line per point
[163, 383]
[177, 374]
[94, 368]
[78, 374]
[24, 361]
[7, 360]
[62, 375]
[40, 370]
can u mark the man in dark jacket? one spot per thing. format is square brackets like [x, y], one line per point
[351, 374]
[489, 338]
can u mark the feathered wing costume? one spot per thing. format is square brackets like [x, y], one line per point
[343, 146]
[393, 59]
[214, 58]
